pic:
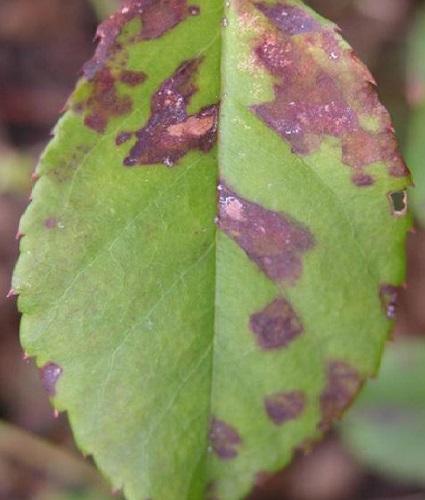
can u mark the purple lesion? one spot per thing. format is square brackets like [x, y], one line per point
[171, 132]
[283, 407]
[312, 98]
[156, 19]
[49, 375]
[224, 439]
[343, 382]
[275, 242]
[288, 18]
[276, 326]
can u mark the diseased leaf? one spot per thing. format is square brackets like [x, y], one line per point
[194, 356]
[390, 416]
[416, 131]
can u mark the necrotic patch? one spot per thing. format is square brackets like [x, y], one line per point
[276, 325]
[314, 98]
[272, 240]
[170, 132]
[225, 440]
[284, 406]
[50, 374]
[343, 382]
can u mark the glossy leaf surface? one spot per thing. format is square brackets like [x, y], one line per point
[210, 259]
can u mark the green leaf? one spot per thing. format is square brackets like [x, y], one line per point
[195, 347]
[415, 150]
[390, 415]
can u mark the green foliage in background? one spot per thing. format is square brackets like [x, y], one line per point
[386, 429]
[194, 347]
[415, 152]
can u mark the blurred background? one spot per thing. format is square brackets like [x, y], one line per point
[378, 452]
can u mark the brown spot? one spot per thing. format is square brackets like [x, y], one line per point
[51, 223]
[389, 297]
[104, 102]
[224, 439]
[289, 19]
[276, 325]
[194, 10]
[363, 180]
[122, 137]
[274, 241]
[50, 374]
[132, 78]
[156, 18]
[284, 406]
[314, 98]
[343, 383]
[170, 132]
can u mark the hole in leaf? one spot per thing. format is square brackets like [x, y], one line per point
[398, 202]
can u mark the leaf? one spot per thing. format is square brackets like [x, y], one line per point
[193, 356]
[390, 415]
[415, 150]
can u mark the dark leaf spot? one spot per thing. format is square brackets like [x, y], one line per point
[389, 296]
[398, 202]
[122, 138]
[363, 180]
[51, 223]
[285, 406]
[104, 102]
[276, 325]
[132, 78]
[194, 10]
[224, 439]
[342, 385]
[156, 18]
[50, 374]
[170, 132]
[274, 241]
[312, 99]
[288, 18]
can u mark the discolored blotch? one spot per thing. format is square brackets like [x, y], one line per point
[288, 18]
[343, 382]
[276, 325]
[170, 132]
[104, 102]
[363, 180]
[122, 137]
[194, 10]
[224, 439]
[273, 241]
[314, 98]
[389, 297]
[51, 223]
[132, 78]
[283, 407]
[156, 19]
[50, 374]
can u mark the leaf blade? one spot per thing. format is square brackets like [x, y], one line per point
[135, 241]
